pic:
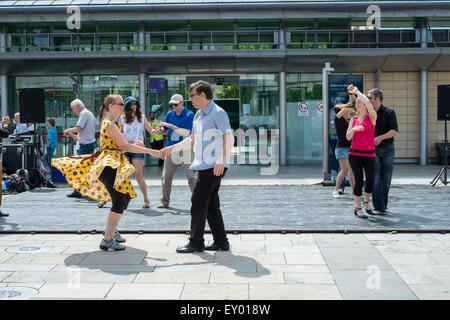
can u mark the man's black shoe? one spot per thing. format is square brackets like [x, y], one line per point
[74, 195]
[188, 249]
[4, 214]
[217, 247]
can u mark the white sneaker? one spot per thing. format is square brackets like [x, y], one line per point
[336, 194]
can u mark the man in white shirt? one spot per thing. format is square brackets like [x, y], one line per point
[20, 127]
[85, 131]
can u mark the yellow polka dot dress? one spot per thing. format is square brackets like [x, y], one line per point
[83, 175]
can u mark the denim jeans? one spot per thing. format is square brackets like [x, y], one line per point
[85, 149]
[384, 165]
[49, 156]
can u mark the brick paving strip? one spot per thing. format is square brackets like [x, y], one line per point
[244, 207]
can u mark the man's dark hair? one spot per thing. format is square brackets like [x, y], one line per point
[377, 93]
[202, 86]
[52, 122]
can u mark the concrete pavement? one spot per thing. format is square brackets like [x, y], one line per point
[258, 267]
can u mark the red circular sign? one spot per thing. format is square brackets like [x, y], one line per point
[303, 107]
[320, 106]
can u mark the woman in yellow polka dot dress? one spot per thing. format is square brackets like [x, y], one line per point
[105, 175]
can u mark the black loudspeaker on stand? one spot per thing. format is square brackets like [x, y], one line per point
[443, 114]
[32, 110]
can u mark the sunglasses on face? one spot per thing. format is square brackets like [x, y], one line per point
[120, 104]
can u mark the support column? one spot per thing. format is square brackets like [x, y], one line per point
[423, 117]
[4, 100]
[3, 77]
[377, 79]
[282, 100]
[326, 121]
[141, 37]
[142, 87]
[423, 37]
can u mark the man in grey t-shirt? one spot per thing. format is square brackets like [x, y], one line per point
[85, 131]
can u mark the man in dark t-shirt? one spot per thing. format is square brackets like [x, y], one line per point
[385, 129]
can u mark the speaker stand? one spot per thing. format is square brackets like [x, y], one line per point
[442, 174]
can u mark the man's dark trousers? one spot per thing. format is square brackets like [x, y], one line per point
[206, 207]
[384, 165]
[85, 149]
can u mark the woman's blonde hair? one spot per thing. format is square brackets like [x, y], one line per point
[109, 99]
[351, 105]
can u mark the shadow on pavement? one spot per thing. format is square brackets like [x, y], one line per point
[126, 262]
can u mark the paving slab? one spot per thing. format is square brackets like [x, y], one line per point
[309, 278]
[431, 291]
[215, 292]
[4, 257]
[74, 290]
[121, 291]
[401, 246]
[173, 277]
[113, 258]
[10, 237]
[4, 275]
[33, 285]
[409, 259]
[425, 278]
[164, 259]
[6, 267]
[104, 277]
[294, 292]
[441, 258]
[308, 268]
[292, 249]
[108, 268]
[341, 240]
[372, 285]
[251, 258]
[42, 276]
[246, 277]
[206, 267]
[304, 258]
[354, 258]
[48, 259]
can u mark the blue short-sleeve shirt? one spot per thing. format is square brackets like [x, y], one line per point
[209, 127]
[184, 120]
[52, 135]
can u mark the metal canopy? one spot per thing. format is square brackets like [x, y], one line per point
[116, 10]
[185, 62]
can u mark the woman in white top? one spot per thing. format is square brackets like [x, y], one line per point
[133, 124]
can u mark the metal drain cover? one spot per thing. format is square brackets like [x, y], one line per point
[33, 248]
[17, 293]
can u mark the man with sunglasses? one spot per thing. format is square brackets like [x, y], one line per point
[385, 129]
[178, 125]
[85, 131]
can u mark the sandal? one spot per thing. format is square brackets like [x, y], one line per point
[369, 211]
[101, 204]
[146, 204]
[362, 215]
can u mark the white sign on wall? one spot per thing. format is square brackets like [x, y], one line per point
[303, 109]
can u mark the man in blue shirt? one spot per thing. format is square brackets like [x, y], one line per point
[178, 125]
[213, 140]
